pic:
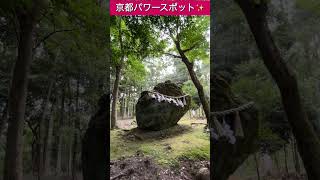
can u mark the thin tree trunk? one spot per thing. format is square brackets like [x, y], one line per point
[4, 117]
[285, 158]
[292, 151]
[117, 82]
[200, 90]
[296, 154]
[128, 103]
[70, 153]
[277, 162]
[42, 132]
[59, 131]
[307, 140]
[13, 166]
[76, 135]
[115, 98]
[71, 126]
[195, 80]
[257, 165]
[133, 109]
[48, 143]
[122, 106]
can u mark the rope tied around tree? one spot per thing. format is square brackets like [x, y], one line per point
[224, 129]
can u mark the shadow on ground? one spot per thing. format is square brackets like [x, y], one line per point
[138, 134]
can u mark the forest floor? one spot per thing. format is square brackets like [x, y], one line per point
[176, 153]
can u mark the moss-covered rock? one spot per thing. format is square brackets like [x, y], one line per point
[154, 115]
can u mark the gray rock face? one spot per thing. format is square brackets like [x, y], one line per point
[154, 115]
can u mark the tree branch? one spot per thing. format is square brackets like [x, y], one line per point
[189, 49]
[173, 55]
[49, 35]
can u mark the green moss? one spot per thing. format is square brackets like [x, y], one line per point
[193, 144]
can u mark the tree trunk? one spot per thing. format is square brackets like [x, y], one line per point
[13, 167]
[59, 131]
[296, 155]
[122, 106]
[95, 161]
[48, 143]
[117, 82]
[115, 97]
[278, 170]
[133, 109]
[128, 103]
[285, 158]
[257, 165]
[294, 160]
[195, 80]
[200, 90]
[71, 126]
[69, 160]
[76, 135]
[4, 117]
[42, 132]
[307, 140]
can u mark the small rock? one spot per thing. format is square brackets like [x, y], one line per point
[203, 174]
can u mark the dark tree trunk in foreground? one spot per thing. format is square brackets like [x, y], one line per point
[307, 140]
[13, 167]
[95, 161]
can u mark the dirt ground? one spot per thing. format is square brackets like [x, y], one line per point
[140, 167]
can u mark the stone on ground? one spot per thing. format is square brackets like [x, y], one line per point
[154, 115]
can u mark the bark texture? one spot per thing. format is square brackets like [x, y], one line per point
[13, 169]
[307, 141]
[194, 78]
[95, 159]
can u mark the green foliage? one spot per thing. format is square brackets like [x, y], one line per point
[189, 88]
[191, 32]
[254, 83]
[138, 40]
[312, 6]
[135, 73]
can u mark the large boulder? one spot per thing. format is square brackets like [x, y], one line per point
[157, 113]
